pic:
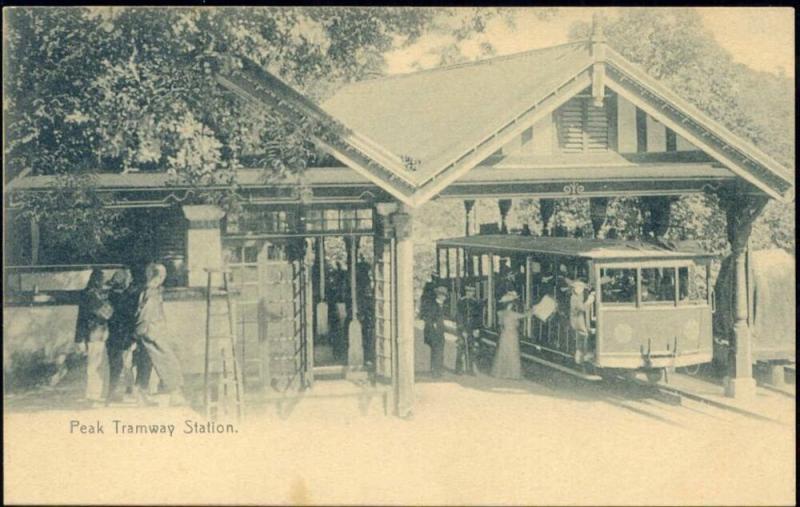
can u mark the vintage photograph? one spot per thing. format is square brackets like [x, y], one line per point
[399, 256]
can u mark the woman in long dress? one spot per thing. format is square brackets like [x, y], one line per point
[507, 363]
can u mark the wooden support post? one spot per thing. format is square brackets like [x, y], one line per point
[528, 294]
[468, 205]
[308, 306]
[490, 297]
[546, 209]
[597, 213]
[741, 211]
[405, 311]
[322, 304]
[34, 242]
[505, 206]
[355, 338]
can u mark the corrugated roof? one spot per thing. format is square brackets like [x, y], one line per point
[577, 247]
[437, 115]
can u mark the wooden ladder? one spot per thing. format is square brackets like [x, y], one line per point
[222, 380]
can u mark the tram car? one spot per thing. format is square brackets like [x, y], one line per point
[652, 307]
[772, 309]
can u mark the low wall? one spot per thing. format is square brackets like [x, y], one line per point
[50, 328]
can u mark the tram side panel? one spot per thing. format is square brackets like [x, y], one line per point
[653, 337]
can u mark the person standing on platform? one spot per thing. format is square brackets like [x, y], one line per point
[91, 334]
[433, 332]
[340, 297]
[507, 363]
[579, 318]
[470, 313]
[366, 307]
[152, 337]
[121, 343]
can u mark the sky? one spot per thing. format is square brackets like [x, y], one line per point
[761, 38]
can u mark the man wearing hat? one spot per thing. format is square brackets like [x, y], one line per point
[470, 311]
[579, 318]
[434, 330]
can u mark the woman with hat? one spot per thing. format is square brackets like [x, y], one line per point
[507, 363]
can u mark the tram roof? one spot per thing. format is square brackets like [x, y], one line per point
[575, 247]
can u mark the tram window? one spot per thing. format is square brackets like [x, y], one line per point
[452, 255]
[658, 285]
[618, 285]
[692, 284]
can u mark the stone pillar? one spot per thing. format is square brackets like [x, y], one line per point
[404, 268]
[355, 337]
[203, 242]
[741, 211]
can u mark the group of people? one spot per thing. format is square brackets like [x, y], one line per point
[122, 327]
[469, 319]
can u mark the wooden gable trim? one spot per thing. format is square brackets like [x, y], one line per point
[361, 154]
[698, 140]
[747, 161]
[438, 182]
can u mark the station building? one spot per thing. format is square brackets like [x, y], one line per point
[572, 121]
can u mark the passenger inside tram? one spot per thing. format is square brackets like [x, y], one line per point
[658, 285]
[618, 285]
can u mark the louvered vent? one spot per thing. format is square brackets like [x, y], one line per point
[582, 127]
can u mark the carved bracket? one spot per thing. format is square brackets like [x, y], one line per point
[741, 211]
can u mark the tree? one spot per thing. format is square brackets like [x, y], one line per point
[674, 47]
[111, 89]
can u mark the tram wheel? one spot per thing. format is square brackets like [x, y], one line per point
[654, 376]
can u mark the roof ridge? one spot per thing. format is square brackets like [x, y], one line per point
[463, 64]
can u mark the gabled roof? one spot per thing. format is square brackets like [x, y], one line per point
[449, 119]
[413, 135]
[435, 116]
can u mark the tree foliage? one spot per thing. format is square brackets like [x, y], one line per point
[673, 46]
[115, 89]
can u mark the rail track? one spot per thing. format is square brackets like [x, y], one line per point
[664, 402]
